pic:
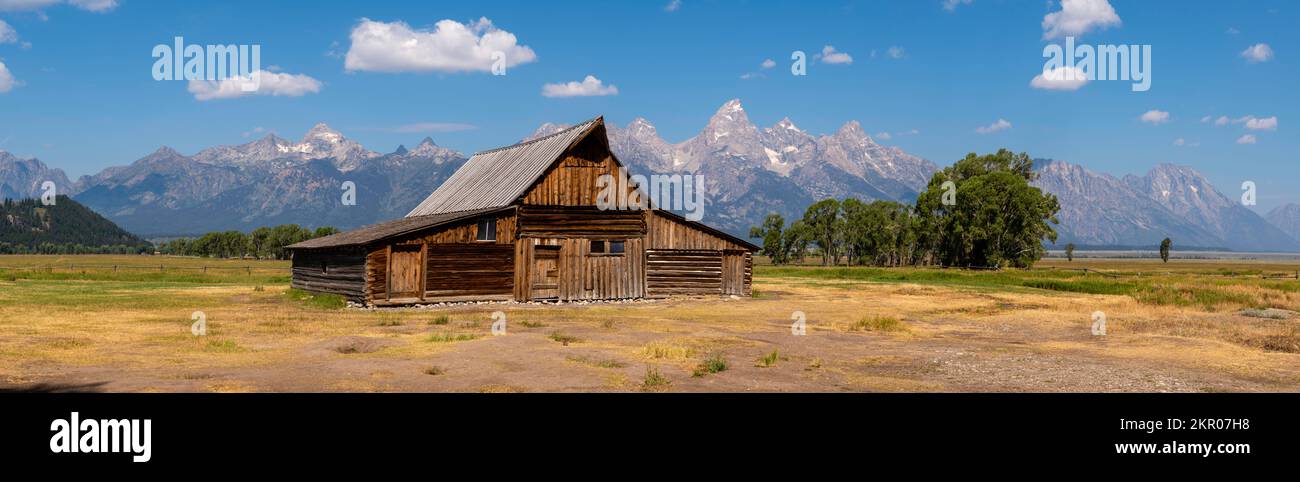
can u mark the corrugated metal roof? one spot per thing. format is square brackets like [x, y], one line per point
[495, 178]
[375, 232]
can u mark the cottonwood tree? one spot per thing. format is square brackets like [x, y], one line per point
[1069, 252]
[825, 228]
[999, 219]
[1165, 246]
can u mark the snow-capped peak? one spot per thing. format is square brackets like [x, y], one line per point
[787, 125]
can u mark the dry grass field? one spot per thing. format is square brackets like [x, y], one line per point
[1186, 326]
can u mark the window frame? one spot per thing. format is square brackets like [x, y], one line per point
[491, 230]
[606, 247]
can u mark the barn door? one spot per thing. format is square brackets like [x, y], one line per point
[733, 273]
[546, 272]
[404, 272]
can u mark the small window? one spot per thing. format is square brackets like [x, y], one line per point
[487, 229]
[606, 248]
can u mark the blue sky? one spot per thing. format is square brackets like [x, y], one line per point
[83, 97]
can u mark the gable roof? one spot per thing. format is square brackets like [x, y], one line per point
[376, 232]
[497, 177]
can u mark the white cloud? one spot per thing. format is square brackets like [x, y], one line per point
[7, 34]
[1206, 119]
[1222, 120]
[1000, 125]
[1060, 78]
[673, 6]
[884, 136]
[7, 81]
[1078, 17]
[98, 6]
[769, 63]
[271, 83]
[589, 87]
[951, 5]
[450, 47]
[1246, 139]
[831, 56]
[896, 52]
[1232, 31]
[94, 5]
[1258, 53]
[1262, 124]
[1155, 117]
[1180, 142]
[751, 75]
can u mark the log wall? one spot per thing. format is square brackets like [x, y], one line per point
[341, 272]
[683, 272]
[582, 275]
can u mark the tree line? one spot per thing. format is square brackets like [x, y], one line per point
[261, 243]
[980, 212]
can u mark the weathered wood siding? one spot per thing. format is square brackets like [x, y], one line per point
[579, 221]
[683, 272]
[667, 233]
[582, 275]
[377, 273]
[737, 272]
[467, 232]
[341, 272]
[470, 271]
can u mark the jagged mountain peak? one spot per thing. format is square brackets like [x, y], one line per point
[786, 124]
[323, 131]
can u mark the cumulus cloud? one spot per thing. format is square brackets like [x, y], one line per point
[831, 56]
[1247, 139]
[673, 6]
[28, 5]
[884, 136]
[1222, 120]
[270, 83]
[450, 47]
[1000, 125]
[7, 34]
[1262, 124]
[1078, 17]
[589, 87]
[951, 5]
[769, 63]
[1258, 53]
[7, 81]
[1060, 78]
[1155, 117]
[896, 52]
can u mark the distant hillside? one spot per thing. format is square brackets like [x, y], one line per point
[65, 227]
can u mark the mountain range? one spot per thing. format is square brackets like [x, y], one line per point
[748, 172]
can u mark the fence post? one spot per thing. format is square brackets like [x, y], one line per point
[250, 270]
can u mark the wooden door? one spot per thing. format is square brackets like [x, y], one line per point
[545, 273]
[404, 272]
[733, 273]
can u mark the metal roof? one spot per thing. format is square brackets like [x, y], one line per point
[496, 178]
[376, 232]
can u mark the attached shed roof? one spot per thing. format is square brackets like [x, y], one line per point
[376, 232]
[496, 178]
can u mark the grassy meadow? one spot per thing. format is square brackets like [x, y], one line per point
[123, 323]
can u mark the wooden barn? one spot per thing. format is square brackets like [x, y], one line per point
[521, 223]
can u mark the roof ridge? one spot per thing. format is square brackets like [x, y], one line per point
[539, 139]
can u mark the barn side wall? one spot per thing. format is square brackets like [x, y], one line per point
[452, 265]
[682, 259]
[341, 272]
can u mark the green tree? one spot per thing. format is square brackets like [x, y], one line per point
[324, 231]
[1069, 252]
[1165, 246]
[772, 232]
[825, 228]
[999, 219]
